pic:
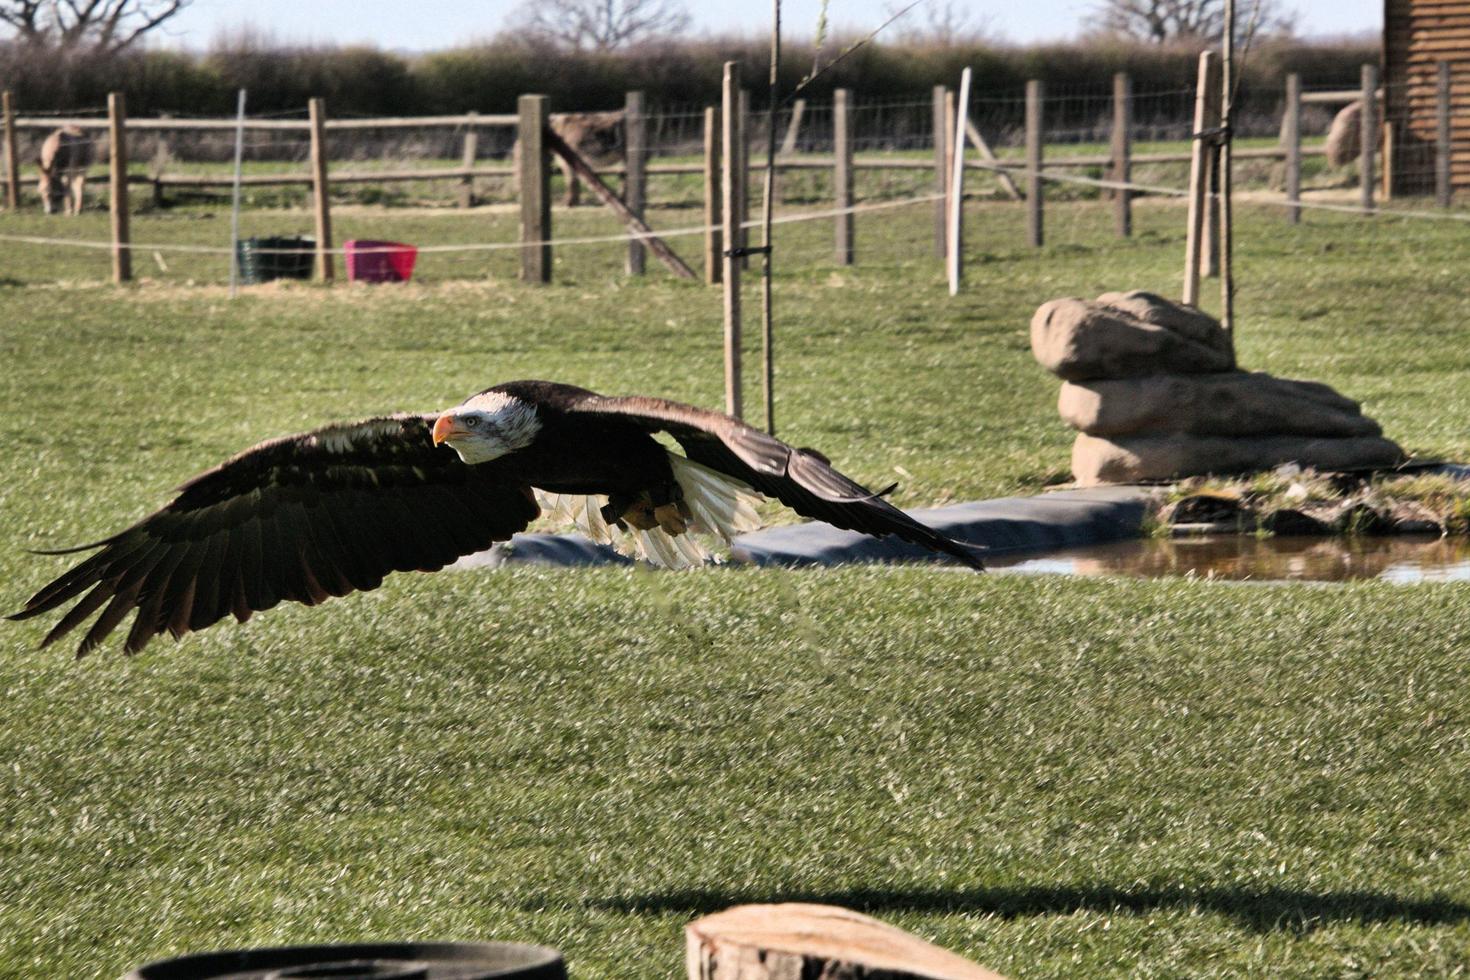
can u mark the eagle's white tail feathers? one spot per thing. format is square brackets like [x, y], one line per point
[721, 506]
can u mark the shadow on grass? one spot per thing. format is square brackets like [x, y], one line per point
[1262, 910]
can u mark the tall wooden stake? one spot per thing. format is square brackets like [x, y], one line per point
[117, 131]
[1227, 115]
[635, 128]
[321, 191]
[1368, 137]
[1035, 195]
[1122, 151]
[842, 174]
[1291, 136]
[12, 165]
[768, 338]
[956, 237]
[713, 234]
[793, 128]
[730, 216]
[1200, 153]
[942, 154]
[533, 166]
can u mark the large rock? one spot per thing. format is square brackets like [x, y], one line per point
[1130, 459]
[1124, 335]
[1233, 403]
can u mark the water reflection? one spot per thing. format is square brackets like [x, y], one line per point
[1393, 559]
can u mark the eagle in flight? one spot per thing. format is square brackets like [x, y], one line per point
[331, 511]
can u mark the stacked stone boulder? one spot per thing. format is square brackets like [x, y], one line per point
[1153, 389]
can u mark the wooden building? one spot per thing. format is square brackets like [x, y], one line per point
[1417, 36]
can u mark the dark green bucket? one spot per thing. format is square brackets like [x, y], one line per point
[264, 259]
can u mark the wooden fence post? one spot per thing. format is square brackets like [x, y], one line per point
[842, 173]
[730, 216]
[1122, 151]
[1368, 137]
[117, 131]
[713, 238]
[635, 138]
[1035, 196]
[1443, 194]
[535, 191]
[941, 167]
[1207, 86]
[1291, 136]
[793, 128]
[320, 190]
[467, 161]
[12, 165]
[1389, 152]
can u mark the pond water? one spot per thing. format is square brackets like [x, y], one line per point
[1245, 557]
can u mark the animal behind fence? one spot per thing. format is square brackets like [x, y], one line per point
[65, 156]
[597, 136]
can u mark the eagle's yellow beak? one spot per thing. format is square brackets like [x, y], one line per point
[445, 427]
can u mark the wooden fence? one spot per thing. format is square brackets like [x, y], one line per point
[1117, 164]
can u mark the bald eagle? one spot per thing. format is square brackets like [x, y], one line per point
[331, 511]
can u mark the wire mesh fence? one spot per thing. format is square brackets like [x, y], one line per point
[450, 187]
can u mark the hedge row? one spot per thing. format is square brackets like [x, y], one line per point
[489, 77]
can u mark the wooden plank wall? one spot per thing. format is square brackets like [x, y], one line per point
[1417, 35]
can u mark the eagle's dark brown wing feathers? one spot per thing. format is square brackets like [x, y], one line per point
[301, 518]
[803, 481]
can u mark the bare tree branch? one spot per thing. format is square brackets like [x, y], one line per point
[598, 24]
[1162, 21]
[99, 26]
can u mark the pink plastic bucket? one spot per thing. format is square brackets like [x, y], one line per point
[370, 261]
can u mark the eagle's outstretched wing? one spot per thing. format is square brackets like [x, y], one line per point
[800, 478]
[301, 518]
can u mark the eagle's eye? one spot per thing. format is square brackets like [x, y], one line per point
[472, 421]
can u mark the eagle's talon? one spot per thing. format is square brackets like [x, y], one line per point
[671, 517]
[641, 514]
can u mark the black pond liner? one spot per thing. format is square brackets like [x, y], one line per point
[264, 259]
[366, 961]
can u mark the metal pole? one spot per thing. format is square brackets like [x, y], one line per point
[235, 201]
[957, 184]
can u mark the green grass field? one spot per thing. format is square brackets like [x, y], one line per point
[1060, 778]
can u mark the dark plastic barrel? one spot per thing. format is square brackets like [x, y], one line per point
[366, 961]
[264, 259]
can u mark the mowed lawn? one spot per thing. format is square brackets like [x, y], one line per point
[1059, 778]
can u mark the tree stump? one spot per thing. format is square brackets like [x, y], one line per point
[798, 941]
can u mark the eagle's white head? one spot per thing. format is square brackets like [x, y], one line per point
[487, 426]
